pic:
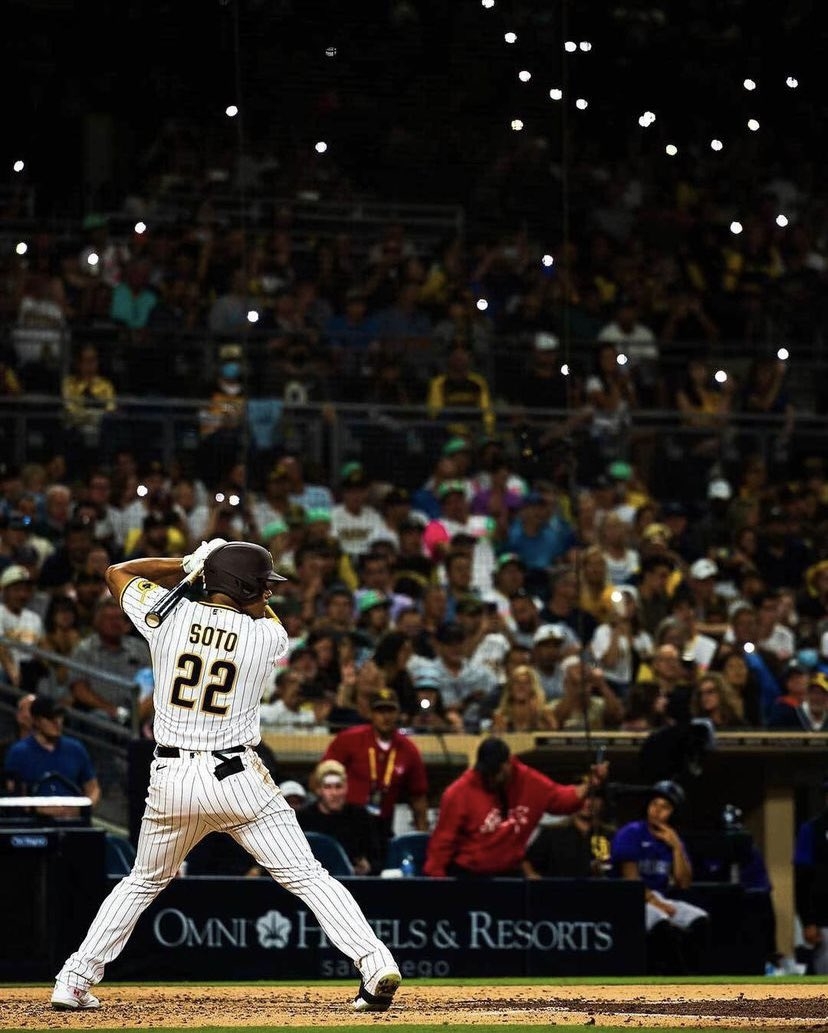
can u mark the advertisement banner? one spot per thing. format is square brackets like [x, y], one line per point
[219, 928]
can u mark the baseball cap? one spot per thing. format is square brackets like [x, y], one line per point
[492, 754]
[448, 487]
[548, 633]
[509, 557]
[317, 515]
[719, 488]
[43, 706]
[619, 470]
[329, 767]
[652, 531]
[794, 666]
[13, 575]
[455, 445]
[292, 788]
[368, 600]
[426, 680]
[671, 791]
[703, 568]
[273, 528]
[817, 680]
[385, 699]
[352, 475]
[545, 342]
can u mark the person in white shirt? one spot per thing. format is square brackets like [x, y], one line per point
[551, 644]
[486, 643]
[20, 624]
[288, 711]
[771, 634]
[353, 523]
[638, 343]
[455, 520]
[617, 642]
[623, 562]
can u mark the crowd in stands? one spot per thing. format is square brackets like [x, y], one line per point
[480, 599]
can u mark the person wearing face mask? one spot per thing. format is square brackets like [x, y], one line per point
[221, 422]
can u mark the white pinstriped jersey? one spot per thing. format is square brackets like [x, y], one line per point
[211, 665]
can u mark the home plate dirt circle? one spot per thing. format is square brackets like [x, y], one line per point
[768, 1006]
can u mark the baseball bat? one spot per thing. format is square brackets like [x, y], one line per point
[170, 600]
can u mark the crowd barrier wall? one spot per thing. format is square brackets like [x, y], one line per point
[203, 928]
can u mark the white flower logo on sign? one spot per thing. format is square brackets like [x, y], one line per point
[273, 930]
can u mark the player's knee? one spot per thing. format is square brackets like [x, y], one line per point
[148, 882]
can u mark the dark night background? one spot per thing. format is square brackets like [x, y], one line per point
[418, 99]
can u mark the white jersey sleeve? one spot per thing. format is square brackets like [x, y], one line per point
[211, 664]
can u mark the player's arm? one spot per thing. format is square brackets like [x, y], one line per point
[161, 570]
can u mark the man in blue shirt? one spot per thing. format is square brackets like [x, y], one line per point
[652, 851]
[48, 752]
[540, 536]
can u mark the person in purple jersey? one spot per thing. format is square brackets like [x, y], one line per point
[652, 851]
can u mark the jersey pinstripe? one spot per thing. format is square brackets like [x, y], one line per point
[211, 665]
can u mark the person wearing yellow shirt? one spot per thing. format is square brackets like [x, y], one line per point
[459, 387]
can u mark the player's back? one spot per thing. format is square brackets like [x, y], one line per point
[211, 665]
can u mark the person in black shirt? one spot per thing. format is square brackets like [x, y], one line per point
[348, 823]
[578, 847]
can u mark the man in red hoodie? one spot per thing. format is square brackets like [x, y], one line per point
[488, 814]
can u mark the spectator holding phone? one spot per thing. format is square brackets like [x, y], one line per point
[588, 700]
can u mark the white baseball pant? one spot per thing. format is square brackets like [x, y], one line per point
[184, 803]
[684, 916]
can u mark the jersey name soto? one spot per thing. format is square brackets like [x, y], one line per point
[207, 635]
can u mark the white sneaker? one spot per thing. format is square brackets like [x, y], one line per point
[382, 993]
[72, 998]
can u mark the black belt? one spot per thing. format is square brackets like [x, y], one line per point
[174, 751]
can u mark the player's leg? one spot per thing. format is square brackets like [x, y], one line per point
[273, 836]
[694, 923]
[170, 828]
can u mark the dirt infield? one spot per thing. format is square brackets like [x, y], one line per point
[768, 1006]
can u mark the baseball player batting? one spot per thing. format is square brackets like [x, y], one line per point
[212, 662]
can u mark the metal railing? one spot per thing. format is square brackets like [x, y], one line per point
[310, 218]
[106, 740]
[397, 443]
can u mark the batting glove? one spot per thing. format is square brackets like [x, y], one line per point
[194, 562]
